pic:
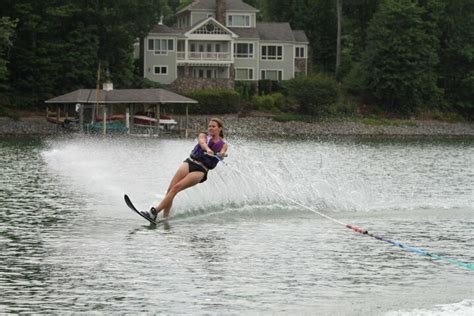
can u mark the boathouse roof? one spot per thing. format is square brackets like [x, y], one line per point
[121, 96]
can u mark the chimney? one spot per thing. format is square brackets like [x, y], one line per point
[220, 11]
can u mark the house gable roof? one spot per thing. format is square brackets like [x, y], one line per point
[163, 29]
[206, 5]
[300, 37]
[212, 21]
[246, 32]
[275, 32]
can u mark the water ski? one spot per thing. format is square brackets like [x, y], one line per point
[132, 207]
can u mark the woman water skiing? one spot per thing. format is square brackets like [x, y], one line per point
[209, 150]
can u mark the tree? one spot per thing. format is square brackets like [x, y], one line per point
[58, 44]
[339, 30]
[7, 26]
[456, 67]
[317, 18]
[401, 56]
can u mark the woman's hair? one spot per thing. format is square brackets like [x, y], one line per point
[220, 123]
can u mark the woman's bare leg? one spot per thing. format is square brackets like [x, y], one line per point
[181, 180]
[189, 180]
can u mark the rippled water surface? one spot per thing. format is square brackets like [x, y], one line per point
[250, 240]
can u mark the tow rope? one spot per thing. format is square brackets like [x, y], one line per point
[364, 231]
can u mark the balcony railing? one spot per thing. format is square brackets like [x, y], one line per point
[204, 56]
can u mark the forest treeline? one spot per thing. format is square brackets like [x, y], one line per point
[405, 56]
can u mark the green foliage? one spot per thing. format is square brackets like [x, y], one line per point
[400, 57]
[183, 4]
[317, 18]
[356, 17]
[246, 89]
[215, 101]
[354, 80]
[407, 55]
[269, 103]
[58, 45]
[456, 66]
[267, 86]
[7, 26]
[315, 94]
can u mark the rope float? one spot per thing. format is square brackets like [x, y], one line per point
[364, 231]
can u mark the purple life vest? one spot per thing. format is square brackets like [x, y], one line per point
[208, 161]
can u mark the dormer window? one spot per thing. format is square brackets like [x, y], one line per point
[238, 20]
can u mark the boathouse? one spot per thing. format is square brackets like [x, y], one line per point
[125, 110]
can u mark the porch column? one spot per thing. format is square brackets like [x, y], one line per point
[132, 116]
[127, 119]
[186, 123]
[186, 49]
[157, 115]
[81, 118]
[104, 120]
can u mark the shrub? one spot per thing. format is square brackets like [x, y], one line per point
[275, 102]
[215, 101]
[246, 89]
[267, 86]
[315, 94]
[354, 80]
[263, 103]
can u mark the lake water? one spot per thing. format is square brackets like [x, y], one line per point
[247, 241]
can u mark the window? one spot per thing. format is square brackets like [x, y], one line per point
[300, 52]
[181, 46]
[272, 75]
[238, 20]
[161, 46]
[243, 50]
[204, 73]
[160, 70]
[243, 73]
[272, 52]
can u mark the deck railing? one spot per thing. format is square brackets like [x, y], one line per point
[203, 56]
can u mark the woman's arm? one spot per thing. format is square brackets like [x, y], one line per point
[223, 150]
[202, 141]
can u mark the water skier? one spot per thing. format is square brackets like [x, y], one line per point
[209, 150]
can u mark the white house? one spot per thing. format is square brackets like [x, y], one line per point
[218, 41]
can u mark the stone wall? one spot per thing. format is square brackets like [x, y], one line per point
[181, 85]
[300, 63]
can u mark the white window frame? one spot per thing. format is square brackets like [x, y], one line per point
[196, 71]
[164, 51]
[266, 56]
[248, 69]
[299, 48]
[263, 73]
[247, 18]
[160, 73]
[243, 56]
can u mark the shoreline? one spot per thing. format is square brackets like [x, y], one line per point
[264, 126]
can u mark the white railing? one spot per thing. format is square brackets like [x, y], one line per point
[203, 56]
